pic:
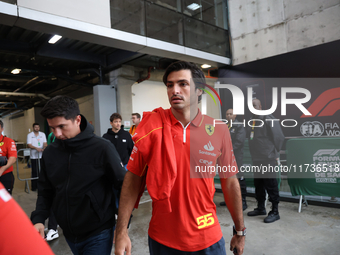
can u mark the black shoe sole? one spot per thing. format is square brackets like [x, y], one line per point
[258, 214]
[271, 220]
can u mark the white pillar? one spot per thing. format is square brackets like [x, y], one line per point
[123, 79]
[104, 99]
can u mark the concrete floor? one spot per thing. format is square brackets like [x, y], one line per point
[315, 231]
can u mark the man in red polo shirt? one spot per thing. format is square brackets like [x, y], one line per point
[8, 156]
[17, 235]
[177, 152]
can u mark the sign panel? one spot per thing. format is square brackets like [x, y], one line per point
[305, 107]
[314, 166]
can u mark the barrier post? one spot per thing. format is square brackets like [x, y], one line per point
[26, 152]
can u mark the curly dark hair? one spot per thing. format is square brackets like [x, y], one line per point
[115, 116]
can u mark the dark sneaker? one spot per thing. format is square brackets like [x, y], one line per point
[222, 204]
[272, 216]
[257, 212]
[244, 205]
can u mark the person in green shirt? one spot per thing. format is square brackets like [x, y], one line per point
[52, 222]
[50, 138]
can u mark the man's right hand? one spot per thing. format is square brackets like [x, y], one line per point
[41, 229]
[123, 243]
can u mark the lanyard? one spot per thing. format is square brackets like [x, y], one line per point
[36, 137]
[253, 125]
[252, 131]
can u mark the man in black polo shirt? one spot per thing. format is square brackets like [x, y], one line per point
[265, 143]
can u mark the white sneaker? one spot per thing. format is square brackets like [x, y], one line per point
[52, 234]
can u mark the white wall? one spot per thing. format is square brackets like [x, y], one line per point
[86, 108]
[18, 128]
[92, 11]
[149, 95]
[265, 28]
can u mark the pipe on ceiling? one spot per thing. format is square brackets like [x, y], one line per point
[27, 83]
[148, 75]
[9, 113]
[3, 106]
[24, 94]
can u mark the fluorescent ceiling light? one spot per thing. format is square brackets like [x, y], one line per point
[16, 71]
[194, 6]
[54, 39]
[205, 66]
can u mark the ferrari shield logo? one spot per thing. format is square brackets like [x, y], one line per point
[209, 129]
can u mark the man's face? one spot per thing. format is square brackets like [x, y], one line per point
[257, 104]
[230, 116]
[1, 130]
[135, 120]
[36, 128]
[64, 129]
[181, 90]
[116, 124]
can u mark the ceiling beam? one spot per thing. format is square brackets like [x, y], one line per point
[52, 51]
[15, 47]
[120, 57]
[30, 66]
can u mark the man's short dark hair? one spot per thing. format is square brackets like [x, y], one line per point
[1, 124]
[115, 116]
[196, 73]
[61, 106]
[35, 124]
[136, 114]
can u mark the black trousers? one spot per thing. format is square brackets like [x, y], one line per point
[52, 222]
[35, 173]
[243, 186]
[241, 180]
[266, 182]
[8, 181]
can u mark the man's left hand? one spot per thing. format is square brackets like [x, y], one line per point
[238, 243]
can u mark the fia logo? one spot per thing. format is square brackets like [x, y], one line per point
[312, 128]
